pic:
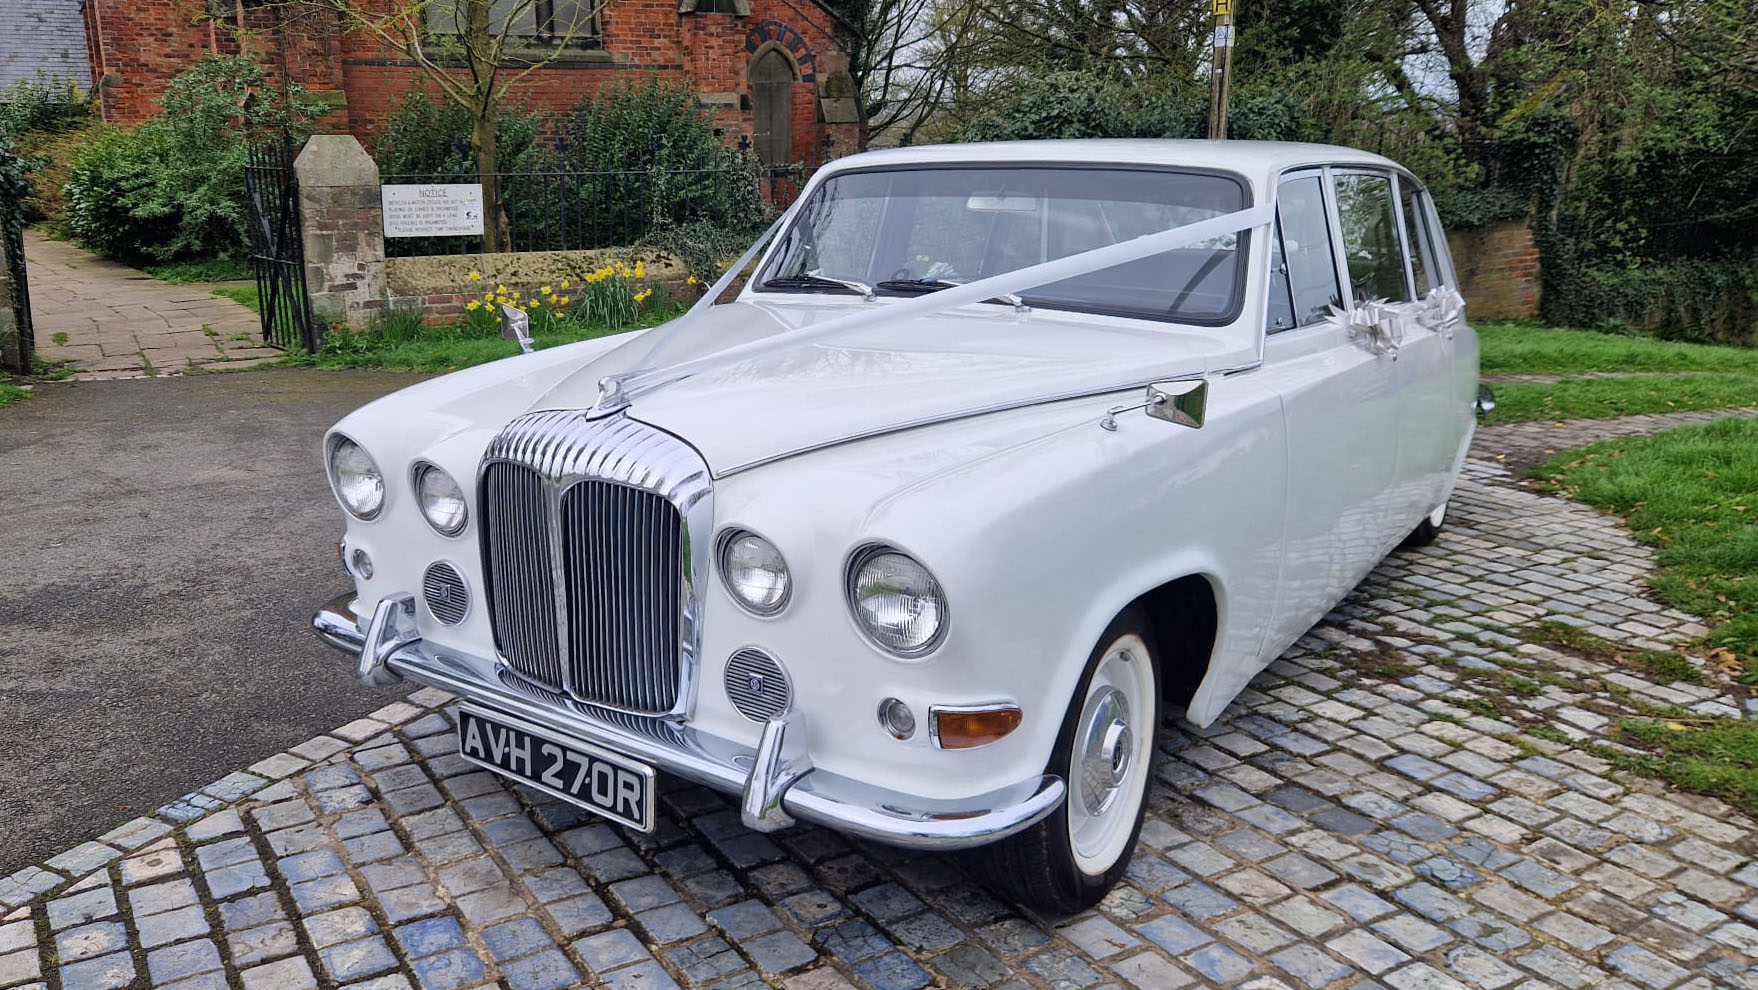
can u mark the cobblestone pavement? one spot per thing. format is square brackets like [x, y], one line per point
[1519, 446]
[1373, 812]
[121, 323]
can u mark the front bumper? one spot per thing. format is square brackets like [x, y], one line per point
[776, 781]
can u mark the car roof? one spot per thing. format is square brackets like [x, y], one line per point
[1259, 161]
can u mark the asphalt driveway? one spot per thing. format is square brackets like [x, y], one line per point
[164, 542]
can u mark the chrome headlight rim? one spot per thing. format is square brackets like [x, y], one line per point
[723, 544]
[419, 470]
[858, 559]
[331, 447]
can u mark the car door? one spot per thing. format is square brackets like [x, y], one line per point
[1339, 407]
[1431, 418]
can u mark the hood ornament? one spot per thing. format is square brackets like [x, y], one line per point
[611, 397]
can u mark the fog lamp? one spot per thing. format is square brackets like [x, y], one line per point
[968, 728]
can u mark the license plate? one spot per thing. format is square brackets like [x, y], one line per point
[594, 778]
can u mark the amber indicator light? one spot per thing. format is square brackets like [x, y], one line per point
[969, 729]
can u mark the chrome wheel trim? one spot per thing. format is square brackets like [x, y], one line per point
[1111, 755]
[1438, 516]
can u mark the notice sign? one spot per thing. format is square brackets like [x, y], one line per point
[439, 210]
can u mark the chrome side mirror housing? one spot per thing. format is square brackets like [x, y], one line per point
[516, 325]
[1183, 402]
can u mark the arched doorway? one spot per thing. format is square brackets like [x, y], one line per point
[772, 97]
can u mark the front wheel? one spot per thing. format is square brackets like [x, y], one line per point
[1104, 752]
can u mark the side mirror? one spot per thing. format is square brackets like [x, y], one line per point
[1183, 402]
[516, 325]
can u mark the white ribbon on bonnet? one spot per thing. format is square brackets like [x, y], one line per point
[1008, 283]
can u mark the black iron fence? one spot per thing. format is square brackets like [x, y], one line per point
[574, 210]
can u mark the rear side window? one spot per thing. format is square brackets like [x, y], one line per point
[1418, 235]
[1303, 249]
[1370, 237]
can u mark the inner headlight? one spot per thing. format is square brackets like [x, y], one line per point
[897, 601]
[356, 478]
[441, 500]
[754, 572]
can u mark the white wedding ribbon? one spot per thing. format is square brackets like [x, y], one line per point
[1005, 284]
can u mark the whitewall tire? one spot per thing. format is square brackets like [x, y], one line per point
[1429, 528]
[1104, 753]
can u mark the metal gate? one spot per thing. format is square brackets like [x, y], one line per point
[12, 233]
[277, 250]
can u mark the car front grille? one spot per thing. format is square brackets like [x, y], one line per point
[586, 546]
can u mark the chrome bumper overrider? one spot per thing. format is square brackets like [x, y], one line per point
[776, 780]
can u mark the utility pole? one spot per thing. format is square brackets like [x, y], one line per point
[1221, 75]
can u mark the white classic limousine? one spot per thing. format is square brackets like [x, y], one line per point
[1003, 452]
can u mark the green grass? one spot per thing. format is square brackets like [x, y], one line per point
[1608, 398]
[12, 393]
[1531, 349]
[1709, 756]
[245, 294]
[202, 270]
[1692, 493]
[400, 343]
[1708, 376]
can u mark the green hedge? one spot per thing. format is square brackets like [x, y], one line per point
[173, 187]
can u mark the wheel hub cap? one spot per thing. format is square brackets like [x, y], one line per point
[1107, 745]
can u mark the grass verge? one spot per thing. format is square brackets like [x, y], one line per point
[202, 270]
[1533, 349]
[1608, 398]
[246, 294]
[12, 393]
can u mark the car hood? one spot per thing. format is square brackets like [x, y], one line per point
[873, 380]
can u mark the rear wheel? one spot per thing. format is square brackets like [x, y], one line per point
[1429, 528]
[1104, 752]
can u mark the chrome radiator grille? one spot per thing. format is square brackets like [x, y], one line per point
[586, 535]
[624, 549]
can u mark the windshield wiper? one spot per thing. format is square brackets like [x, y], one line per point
[813, 280]
[921, 285]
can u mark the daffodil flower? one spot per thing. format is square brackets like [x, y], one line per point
[475, 276]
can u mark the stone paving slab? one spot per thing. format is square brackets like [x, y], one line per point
[119, 322]
[1374, 812]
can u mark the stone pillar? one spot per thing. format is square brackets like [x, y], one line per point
[342, 229]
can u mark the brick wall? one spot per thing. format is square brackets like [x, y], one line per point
[45, 35]
[144, 43]
[1498, 270]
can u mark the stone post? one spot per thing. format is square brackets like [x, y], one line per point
[341, 229]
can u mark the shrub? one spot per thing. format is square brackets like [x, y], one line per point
[650, 152]
[44, 106]
[173, 187]
[422, 138]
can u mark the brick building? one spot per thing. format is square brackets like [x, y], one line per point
[773, 70]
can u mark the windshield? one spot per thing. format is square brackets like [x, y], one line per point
[911, 230]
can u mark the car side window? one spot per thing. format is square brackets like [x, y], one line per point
[1417, 235]
[1370, 237]
[1302, 248]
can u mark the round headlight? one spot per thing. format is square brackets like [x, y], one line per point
[356, 478]
[441, 500]
[897, 602]
[754, 572]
